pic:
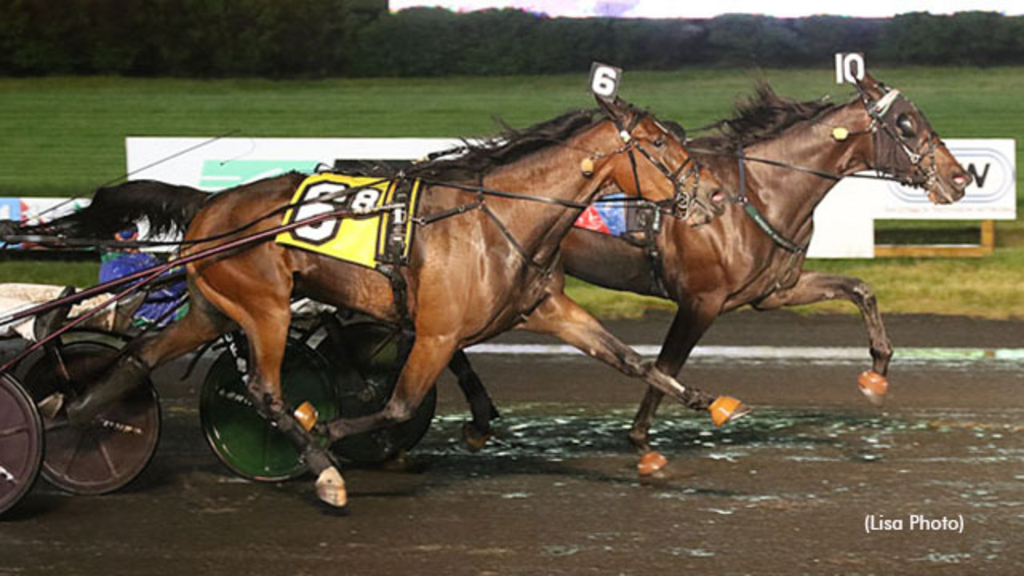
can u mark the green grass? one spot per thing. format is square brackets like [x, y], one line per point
[64, 136]
[63, 272]
[991, 287]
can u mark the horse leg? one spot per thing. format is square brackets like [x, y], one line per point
[476, 432]
[267, 335]
[264, 315]
[143, 355]
[814, 287]
[688, 326]
[429, 355]
[562, 317]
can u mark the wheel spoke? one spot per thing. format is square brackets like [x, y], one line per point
[54, 425]
[111, 467]
[267, 439]
[73, 455]
[13, 431]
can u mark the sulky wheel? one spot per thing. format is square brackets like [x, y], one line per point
[21, 442]
[365, 364]
[112, 450]
[245, 442]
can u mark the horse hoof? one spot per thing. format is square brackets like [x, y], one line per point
[475, 441]
[330, 487]
[726, 409]
[873, 386]
[650, 463]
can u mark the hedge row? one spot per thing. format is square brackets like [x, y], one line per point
[315, 38]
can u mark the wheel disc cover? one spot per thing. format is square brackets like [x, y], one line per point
[21, 442]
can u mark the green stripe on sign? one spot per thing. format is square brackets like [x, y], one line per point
[220, 175]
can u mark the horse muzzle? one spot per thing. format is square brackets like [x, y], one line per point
[949, 190]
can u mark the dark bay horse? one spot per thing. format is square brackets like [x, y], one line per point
[783, 157]
[485, 265]
[734, 261]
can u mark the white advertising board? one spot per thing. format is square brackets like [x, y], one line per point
[216, 164]
[844, 222]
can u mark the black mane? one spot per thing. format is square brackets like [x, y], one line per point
[477, 158]
[764, 115]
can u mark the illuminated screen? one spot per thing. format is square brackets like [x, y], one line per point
[679, 9]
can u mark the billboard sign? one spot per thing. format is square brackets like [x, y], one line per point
[844, 221]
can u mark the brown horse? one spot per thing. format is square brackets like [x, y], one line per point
[489, 225]
[784, 157]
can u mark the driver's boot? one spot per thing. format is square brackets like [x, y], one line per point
[127, 373]
[45, 324]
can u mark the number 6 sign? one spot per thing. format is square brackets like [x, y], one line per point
[604, 80]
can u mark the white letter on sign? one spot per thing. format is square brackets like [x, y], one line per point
[849, 67]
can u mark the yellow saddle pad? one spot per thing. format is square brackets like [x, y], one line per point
[359, 240]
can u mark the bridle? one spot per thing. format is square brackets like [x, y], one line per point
[886, 115]
[893, 156]
[683, 201]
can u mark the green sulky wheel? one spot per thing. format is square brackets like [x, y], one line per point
[243, 441]
[21, 442]
[365, 360]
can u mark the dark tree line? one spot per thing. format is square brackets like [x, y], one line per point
[316, 38]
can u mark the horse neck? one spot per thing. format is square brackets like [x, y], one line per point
[553, 173]
[789, 196]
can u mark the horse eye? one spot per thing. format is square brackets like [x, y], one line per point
[905, 124]
[659, 143]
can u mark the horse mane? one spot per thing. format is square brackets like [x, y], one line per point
[476, 158]
[763, 115]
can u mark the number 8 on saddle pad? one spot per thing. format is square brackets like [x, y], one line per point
[360, 240]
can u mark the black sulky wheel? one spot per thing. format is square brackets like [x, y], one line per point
[365, 359]
[21, 442]
[111, 451]
[240, 438]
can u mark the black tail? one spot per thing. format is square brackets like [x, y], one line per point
[167, 207]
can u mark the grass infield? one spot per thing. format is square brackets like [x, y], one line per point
[65, 136]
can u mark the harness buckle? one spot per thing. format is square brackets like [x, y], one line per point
[398, 215]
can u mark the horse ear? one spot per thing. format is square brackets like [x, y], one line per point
[870, 86]
[675, 128]
[617, 109]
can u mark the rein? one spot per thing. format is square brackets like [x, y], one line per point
[876, 110]
[142, 278]
[670, 206]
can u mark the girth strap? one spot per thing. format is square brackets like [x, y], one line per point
[756, 214]
[395, 249]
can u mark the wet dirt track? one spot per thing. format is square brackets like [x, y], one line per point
[785, 490]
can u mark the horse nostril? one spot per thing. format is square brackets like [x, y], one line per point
[718, 197]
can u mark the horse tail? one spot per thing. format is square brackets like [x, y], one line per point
[167, 208]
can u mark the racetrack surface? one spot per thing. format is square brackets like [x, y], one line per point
[787, 489]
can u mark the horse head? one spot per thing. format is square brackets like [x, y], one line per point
[906, 147]
[664, 172]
